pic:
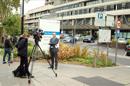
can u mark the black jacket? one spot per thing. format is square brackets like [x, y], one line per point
[7, 44]
[22, 47]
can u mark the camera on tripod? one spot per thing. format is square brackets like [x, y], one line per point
[37, 35]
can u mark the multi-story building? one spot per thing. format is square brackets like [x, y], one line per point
[79, 15]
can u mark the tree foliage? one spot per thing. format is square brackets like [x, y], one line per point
[12, 24]
[6, 7]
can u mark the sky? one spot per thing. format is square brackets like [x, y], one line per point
[33, 4]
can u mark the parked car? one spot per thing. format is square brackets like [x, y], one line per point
[88, 39]
[128, 50]
[122, 40]
[69, 40]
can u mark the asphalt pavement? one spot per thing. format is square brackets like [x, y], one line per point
[68, 75]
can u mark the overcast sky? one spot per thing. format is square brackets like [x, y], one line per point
[33, 4]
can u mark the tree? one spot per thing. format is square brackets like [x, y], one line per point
[12, 24]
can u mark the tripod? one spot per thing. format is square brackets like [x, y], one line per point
[32, 59]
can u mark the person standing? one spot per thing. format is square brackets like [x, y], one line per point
[7, 49]
[53, 51]
[22, 69]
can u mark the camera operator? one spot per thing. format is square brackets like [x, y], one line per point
[22, 70]
[53, 51]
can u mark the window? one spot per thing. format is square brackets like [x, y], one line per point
[119, 6]
[127, 5]
[89, 10]
[110, 7]
[96, 9]
[76, 12]
[80, 11]
[85, 11]
[85, 3]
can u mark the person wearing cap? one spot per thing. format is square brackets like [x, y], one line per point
[7, 49]
[54, 50]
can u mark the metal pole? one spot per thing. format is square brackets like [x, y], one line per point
[22, 17]
[62, 24]
[116, 42]
[74, 31]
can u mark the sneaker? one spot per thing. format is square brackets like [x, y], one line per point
[4, 62]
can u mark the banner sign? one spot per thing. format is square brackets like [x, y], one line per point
[48, 27]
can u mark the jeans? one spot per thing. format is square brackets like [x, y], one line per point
[7, 51]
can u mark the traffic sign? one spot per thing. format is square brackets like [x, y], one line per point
[104, 36]
[117, 33]
[118, 24]
[110, 21]
[100, 19]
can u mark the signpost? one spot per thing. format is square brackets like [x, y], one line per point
[48, 27]
[117, 33]
[99, 21]
[103, 20]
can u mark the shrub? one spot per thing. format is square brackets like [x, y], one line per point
[76, 50]
[85, 52]
[128, 41]
[65, 51]
[74, 54]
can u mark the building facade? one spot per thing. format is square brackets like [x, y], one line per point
[79, 15]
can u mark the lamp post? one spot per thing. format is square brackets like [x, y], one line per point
[22, 17]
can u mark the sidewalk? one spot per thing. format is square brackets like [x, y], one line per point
[68, 75]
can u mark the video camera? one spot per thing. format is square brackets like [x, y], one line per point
[37, 35]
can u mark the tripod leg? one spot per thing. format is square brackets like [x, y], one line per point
[31, 59]
[48, 61]
[34, 47]
[44, 55]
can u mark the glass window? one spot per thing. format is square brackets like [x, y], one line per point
[76, 12]
[80, 11]
[127, 5]
[89, 10]
[110, 7]
[96, 9]
[128, 35]
[123, 5]
[85, 3]
[85, 11]
[119, 6]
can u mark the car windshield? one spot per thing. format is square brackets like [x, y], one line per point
[121, 39]
[87, 36]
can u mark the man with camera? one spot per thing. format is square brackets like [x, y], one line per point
[22, 45]
[53, 51]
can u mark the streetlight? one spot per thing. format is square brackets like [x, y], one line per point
[22, 17]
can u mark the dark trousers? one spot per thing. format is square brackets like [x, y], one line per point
[22, 69]
[7, 51]
[54, 59]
